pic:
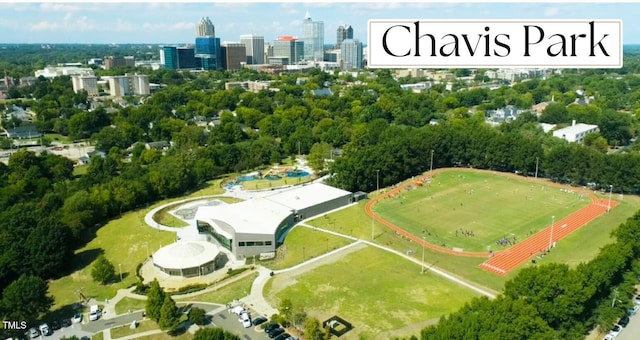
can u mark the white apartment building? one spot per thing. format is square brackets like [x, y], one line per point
[88, 83]
[57, 71]
[129, 84]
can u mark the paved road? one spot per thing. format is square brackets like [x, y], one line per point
[632, 331]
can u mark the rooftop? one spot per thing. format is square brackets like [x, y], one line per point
[575, 129]
[181, 255]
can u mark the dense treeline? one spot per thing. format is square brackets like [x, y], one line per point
[553, 301]
[400, 152]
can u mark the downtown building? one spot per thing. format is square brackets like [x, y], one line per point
[254, 48]
[313, 38]
[351, 54]
[207, 48]
[233, 55]
[287, 50]
[343, 32]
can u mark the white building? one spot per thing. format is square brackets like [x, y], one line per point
[88, 83]
[576, 132]
[254, 47]
[57, 71]
[129, 84]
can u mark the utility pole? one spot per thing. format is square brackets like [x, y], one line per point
[423, 241]
[610, 191]
[537, 159]
[431, 167]
[377, 189]
[553, 221]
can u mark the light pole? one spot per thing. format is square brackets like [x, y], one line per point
[377, 189]
[120, 266]
[553, 221]
[431, 166]
[537, 159]
[610, 191]
[423, 241]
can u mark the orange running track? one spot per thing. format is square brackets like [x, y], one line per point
[506, 260]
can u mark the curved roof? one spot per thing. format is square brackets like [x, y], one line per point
[186, 254]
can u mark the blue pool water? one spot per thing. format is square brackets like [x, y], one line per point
[246, 178]
[297, 174]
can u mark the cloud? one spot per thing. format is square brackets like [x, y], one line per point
[296, 22]
[551, 11]
[183, 26]
[43, 26]
[54, 7]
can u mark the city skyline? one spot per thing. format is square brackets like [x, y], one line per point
[120, 23]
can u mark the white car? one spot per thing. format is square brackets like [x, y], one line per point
[95, 313]
[615, 331]
[45, 330]
[608, 337]
[637, 300]
[245, 319]
[33, 333]
[77, 318]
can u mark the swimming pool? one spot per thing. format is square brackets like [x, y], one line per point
[297, 174]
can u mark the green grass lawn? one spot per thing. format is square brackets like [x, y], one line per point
[302, 244]
[129, 304]
[491, 206]
[143, 326]
[56, 137]
[266, 183]
[165, 336]
[581, 246]
[98, 336]
[225, 294]
[125, 241]
[374, 290]
[80, 170]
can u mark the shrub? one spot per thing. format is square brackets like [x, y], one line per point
[197, 315]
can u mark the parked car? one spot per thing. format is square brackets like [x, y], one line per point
[55, 325]
[33, 333]
[274, 333]
[271, 327]
[283, 336]
[77, 318]
[45, 330]
[94, 313]
[608, 337]
[65, 322]
[624, 321]
[633, 311]
[259, 320]
[245, 319]
[636, 301]
[615, 330]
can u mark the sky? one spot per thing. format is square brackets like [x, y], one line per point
[174, 22]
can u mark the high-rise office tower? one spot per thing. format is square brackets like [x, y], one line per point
[313, 38]
[207, 48]
[205, 28]
[254, 46]
[88, 83]
[290, 48]
[351, 54]
[343, 33]
[233, 55]
[169, 57]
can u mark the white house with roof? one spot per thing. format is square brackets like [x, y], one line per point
[575, 132]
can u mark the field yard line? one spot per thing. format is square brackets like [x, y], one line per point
[358, 241]
[436, 270]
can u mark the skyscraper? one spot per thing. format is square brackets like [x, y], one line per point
[313, 38]
[169, 57]
[254, 46]
[233, 55]
[207, 47]
[351, 54]
[205, 28]
[290, 48]
[343, 33]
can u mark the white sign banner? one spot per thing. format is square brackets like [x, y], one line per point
[495, 43]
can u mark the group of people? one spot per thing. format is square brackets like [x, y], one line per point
[506, 241]
[464, 232]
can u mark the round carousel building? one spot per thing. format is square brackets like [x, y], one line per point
[187, 258]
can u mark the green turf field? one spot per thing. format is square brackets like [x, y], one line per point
[491, 207]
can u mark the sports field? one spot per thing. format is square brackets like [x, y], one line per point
[477, 211]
